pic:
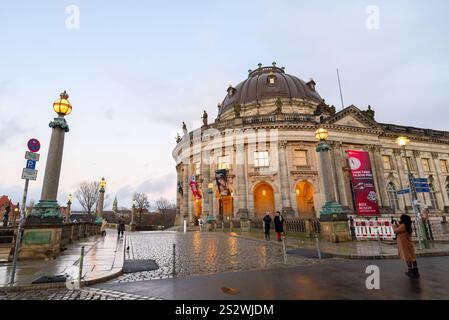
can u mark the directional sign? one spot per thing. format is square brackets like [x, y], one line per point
[29, 174]
[34, 145]
[32, 156]
[31, 164]
[403, 191]
[420, 180]
[422, 189]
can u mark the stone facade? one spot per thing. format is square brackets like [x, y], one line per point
[270, 142]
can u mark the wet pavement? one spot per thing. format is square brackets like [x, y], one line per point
[103, 258]
[333, 279]
[200, 253]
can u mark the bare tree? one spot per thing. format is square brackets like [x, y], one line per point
[87, 194]
[142, 203]
[163, 205]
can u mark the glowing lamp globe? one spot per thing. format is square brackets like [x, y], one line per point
[102, 183]
[321, 134]
[62, 106]
[402, 141]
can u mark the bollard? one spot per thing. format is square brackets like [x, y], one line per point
[222, 226]
[185, 225]
[80, 275]
[379, 242]
[174, 259]
[283, 249]
[317, 242]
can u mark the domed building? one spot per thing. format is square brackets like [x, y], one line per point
[260, 155]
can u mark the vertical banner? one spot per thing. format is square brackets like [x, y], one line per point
[363, 183]
[194, 187]
[222, 182]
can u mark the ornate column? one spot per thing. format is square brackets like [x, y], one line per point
[333, 216]
[43, 226]
[101, 199]
[240, 163]
[378, 174]
[285, 190]
[205, 182]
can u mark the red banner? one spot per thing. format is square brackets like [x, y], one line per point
[363, 183]
[194, 188]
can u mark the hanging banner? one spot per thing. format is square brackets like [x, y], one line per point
[222, 182]
[362, 183]
[194, 188]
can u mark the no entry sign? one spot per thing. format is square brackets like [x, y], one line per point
[34, 145]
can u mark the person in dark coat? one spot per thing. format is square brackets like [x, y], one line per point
[267, 224]
[121, 226]
[406, 248]
[6, 216]
[278, 225]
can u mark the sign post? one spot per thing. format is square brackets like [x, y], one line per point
[28, 173]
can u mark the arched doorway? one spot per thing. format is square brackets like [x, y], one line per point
[263, 199]
[304, 199]
[198, 209]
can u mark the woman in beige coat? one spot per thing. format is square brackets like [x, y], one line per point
[406, 248]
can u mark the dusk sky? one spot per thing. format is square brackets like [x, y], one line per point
[135, 70]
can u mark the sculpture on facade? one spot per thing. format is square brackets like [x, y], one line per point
[205, 118]
[184, 128]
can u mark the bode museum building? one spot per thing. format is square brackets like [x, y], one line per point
[261, 154]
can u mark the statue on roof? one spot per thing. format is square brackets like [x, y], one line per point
[205, 118]
[184, 127]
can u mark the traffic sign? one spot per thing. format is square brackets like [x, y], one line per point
[420, 180]
[422, 189]
[403, 191]
[32, 156]
[34, 145]
[31, 164]
[29, 174]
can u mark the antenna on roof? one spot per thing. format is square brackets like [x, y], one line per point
[341, 94]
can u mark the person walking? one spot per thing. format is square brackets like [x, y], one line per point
[103, 227]
[406, 248]
[278, 225]
[121, 226]
[6, 216]
[267, 224]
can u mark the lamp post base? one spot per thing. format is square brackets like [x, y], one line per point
[132, 226]
[334, 223]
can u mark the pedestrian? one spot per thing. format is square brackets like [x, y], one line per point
[278, 225]
[121, 226]
[103, 227]
[406, 248]
[266, 224]
[6, 216]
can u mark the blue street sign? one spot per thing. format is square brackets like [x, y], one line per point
[403, 191]
[31, 164]
[422, 190]
[420, 180]
[421, 185]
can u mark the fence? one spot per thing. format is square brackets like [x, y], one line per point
[78, 230]
[293, 225]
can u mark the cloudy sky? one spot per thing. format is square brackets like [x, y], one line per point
[135, 70]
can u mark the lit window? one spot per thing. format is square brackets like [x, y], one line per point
[271, 79]
[387, 162]
[425, 164]
[261, 159]
[392, 196]
[443, 166]
[223, 162]
[300, 158]
[197, 168]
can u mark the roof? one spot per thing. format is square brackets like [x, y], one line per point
[258, 87]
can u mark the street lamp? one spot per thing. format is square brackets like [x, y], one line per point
[132, 225]
[402, 142]
[101, 200]
[69, 206]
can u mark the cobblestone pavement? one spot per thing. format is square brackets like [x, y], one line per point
[199, 253]
[65, 294]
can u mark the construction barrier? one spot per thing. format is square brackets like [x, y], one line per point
[366, 229]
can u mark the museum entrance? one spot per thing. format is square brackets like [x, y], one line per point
[304, 200]
[263, 200]
[226, 207]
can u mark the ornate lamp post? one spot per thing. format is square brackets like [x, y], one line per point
[101, 199]
[132, 225]
[43, 226]
[333, 218]
[402, 142]
[69, 207]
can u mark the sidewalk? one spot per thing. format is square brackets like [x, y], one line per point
[353, 249]
[103, 260]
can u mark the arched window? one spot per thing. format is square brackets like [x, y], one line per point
[433, 197]
[392, 196]
[447, 190]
